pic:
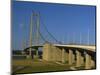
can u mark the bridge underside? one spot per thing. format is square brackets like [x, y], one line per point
[68, 55]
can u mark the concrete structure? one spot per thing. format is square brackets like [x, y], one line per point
[88, 61]
[79, 59]
[51, 53]
[73, 54]
[70, 60]
[63, 56]
[92, 63]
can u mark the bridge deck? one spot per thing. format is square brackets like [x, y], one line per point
[87, 47]
[90, 48]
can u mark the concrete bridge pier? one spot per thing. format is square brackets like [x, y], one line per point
[71, 57]
[87, 61]
[29, 54]
[58, 54]
[63, 55]
[92, 63]
[82, 60]
[79, 58]
[37, 55]
[66, 56]
[52, 53]
[46, 52]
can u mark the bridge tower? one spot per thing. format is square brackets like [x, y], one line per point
[34, 31]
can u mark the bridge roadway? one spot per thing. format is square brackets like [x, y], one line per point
[85, 47]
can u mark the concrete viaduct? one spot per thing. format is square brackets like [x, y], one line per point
[78, 54]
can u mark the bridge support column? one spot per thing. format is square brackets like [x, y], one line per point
[78, 58]
[73, 58]
[63, 55]
[53, 53]
[70, 57]
[58, 54]
[37, 53]
[92, 63]
[82, 60]
[66, 56]
[29, 54]
[87, 61]
[46, 52]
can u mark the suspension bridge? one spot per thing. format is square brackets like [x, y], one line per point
[54, 50]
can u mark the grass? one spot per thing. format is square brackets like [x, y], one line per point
[25, 66]
[33, 66]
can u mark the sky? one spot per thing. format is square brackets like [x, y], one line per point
[68, 23]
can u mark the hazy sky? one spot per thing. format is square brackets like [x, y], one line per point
[65, 21]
